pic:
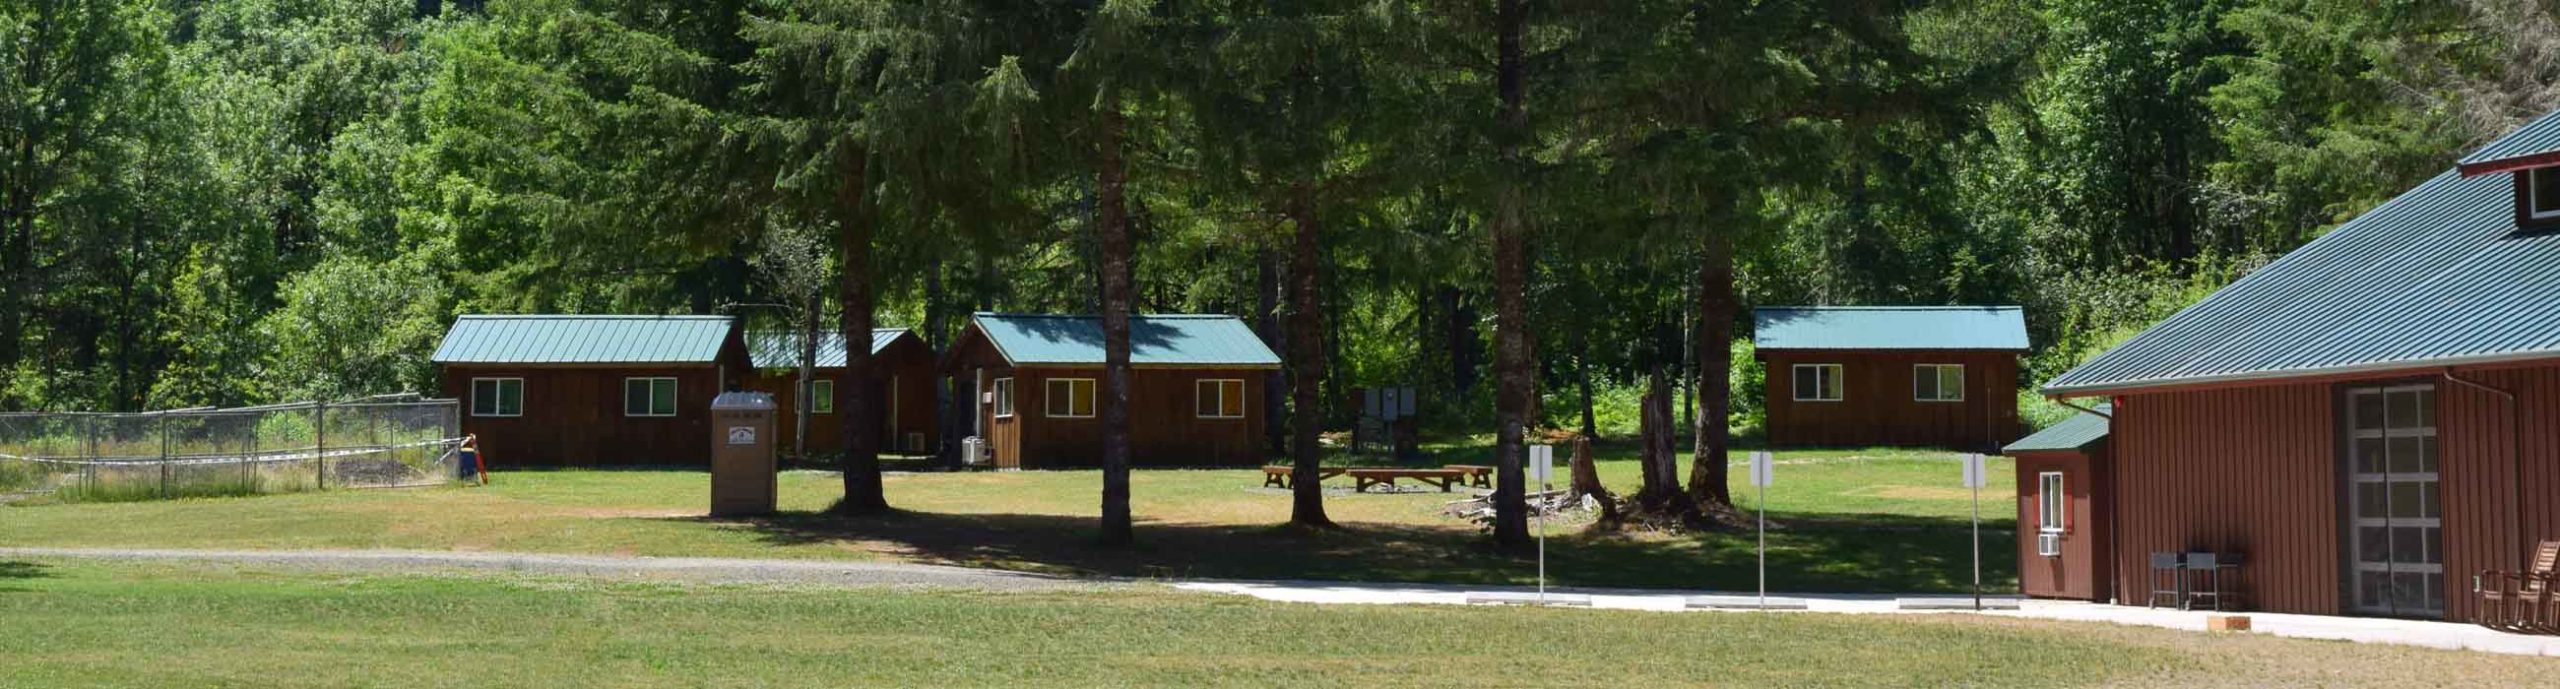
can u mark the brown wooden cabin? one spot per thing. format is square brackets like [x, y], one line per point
[2063, 483]
[589, 391]
[2368, 421]
[1920, 376]
[903, 380]
[1195, 397]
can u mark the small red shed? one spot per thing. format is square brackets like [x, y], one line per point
[902, 375]
[1919, 376]
[2064, 518]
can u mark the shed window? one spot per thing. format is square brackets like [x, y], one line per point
[648, 397]
[1004, 398]
[2543, 192]
[822, 396]
[497, 397]
[1070, 398]
[1937, 382]
[2049, 499]
[1221, 399]
[1817, 382]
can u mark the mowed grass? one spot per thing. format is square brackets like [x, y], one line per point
[138, 625]
[1869, 520]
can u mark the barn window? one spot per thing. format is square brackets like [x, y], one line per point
[1070, 398]
[822, 396]
[497, 397]
[2543, 192]
[1937, 382]
[1221, 399]
[648, 397]
[1004, 398]
[1817, 382]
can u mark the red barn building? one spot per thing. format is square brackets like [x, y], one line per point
[2368, 420]
[1195, 397]
[1927, 376]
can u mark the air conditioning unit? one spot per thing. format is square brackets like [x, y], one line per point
[2049, 544]
[973, 451]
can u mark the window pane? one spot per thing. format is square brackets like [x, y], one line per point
[484, 397]
[1054, 401]
[2368, 455]
[2373, 544]
[662, 397]
[1831, 382]
[1207, 405]
[1084, 401]
[2546, 190]
[635, 397]
[1924, 383]
[2368, 410]
[2404, 456]
[2404, 410]
[2427, 409]
[510, 397]
[1232, 397]
[1808, 383]
[1951, 382]
[822, 396]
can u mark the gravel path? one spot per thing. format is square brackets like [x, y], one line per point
[691, 569]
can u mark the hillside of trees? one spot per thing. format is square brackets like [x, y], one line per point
[227, 203]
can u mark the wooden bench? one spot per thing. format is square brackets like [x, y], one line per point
[1446, 479]
[1278, 476]
[1477, 476]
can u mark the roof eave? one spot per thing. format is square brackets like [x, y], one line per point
[2420, 366]
[2509, 164]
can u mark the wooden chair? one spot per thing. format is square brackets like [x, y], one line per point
[2521, 601]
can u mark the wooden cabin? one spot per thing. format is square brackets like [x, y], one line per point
[1918, 376]
[1195, 399]
[2366, 421]
[903, 378]
[589, 391]
[2063, 483]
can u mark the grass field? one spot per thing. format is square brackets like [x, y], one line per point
[1871, 520]
[121, 625]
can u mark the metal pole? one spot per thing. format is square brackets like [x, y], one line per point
[1978, 480]
[320, 442]
[164, 455]
[1543, 488]
[1764, 543]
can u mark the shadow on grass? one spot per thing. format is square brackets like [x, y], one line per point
[16, 570]
[1825, 553]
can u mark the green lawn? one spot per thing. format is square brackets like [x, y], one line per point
[1868, 520]
[136, 625]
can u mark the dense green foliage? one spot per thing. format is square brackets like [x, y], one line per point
[239, 202]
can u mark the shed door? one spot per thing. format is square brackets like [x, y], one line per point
[2396, 524]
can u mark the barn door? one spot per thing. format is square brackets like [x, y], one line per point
[2396, 523]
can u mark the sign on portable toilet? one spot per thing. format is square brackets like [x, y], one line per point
[742, 454]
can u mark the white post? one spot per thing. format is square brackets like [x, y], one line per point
[1542, 461]
[1974, 478]
[1761, 467]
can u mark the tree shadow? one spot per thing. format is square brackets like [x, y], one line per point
[1812, 554]
[18, 570]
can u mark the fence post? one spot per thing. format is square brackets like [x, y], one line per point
[164, 455]
[320, 440]
[249, 460]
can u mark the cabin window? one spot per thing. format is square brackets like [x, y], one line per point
[1937, 382]
[1817, 382]
[497, 397]
[1004, 398]
[648, 397]
[1221, 399]
[2542, 190]
[2049, 497]
[822, 396]
[1070, 398]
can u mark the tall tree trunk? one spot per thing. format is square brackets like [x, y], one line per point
[1510, 285]
[1306, 365]
[1582, 379]
[1113, 223]
[1708, 475]
[863, 493]
[810, 321]
[1275, 386]
[937, 317]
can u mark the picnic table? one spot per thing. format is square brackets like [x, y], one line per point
[1445, 478]
[1478, 476]
[1278, 476]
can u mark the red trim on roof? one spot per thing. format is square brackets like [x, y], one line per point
[2485, 167]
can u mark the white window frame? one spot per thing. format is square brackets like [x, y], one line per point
[1206, 388]
[2533, 195]
[497, 398]
[822, 396]
[1822, 372]
[1936, 373]
[673, 394]
[1002, 389]
[2052, 503]
[1049, 398]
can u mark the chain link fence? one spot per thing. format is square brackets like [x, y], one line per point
[372, 443]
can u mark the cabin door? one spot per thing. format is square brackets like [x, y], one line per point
[2395, 529]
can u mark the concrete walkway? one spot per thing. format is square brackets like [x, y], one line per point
[2446, 635]
[700, 569]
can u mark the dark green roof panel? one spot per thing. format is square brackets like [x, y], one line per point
[780, 348]
[2068, 435]
[547, 339]
[1889, 327]
[2542, 135]
[1154, 340]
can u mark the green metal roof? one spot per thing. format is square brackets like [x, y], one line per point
[1889, 327]
[2075, 433]
[2540, 136]
[2436, 277]
[1154, 340]
[501, 339]
[781, 348]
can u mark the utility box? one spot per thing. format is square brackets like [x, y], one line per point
[742, 452]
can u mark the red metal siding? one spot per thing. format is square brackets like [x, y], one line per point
[2080, 571]
[1877, 406]
[908, 362]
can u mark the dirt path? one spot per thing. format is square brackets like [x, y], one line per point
[690, 569]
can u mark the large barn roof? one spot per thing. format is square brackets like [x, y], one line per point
[1889, 327]
[547, 339]
[2079, 431]
[1154, 340]
[2536, 144]
[781, 348]
[2437, 277]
